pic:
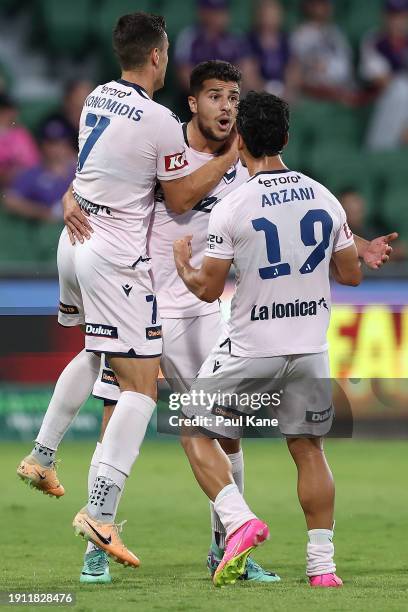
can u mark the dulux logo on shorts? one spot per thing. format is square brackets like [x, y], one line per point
[99, 330]
[318, 417]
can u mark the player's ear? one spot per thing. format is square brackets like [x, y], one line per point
[286, 140]
[192, 102]
[240, 143]
[155, 55]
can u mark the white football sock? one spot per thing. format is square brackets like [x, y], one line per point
[93, 470]
[217, 528]
[122, 441]
[232, 509]
[94, 466]
[237, 462]
[73, 388]
[320, 552]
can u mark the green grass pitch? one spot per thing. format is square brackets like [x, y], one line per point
[168, 527]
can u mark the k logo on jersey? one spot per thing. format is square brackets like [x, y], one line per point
[177, 161]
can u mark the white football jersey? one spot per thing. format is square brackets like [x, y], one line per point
[280, 228]
[126, 142]
[173, 297]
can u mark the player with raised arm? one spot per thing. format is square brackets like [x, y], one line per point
[127, 142]
[283, 231]
[190, 327]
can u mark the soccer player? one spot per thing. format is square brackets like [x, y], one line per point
[190, 327]
[284, 232]
[127, 142]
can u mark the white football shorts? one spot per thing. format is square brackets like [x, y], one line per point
[115, 303]
[297, 387]
[186, 344]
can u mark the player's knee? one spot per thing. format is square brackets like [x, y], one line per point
[230, 446]
[142, 387]
[303, 448]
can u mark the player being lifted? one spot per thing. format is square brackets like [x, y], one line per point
[127, 142]
[190, 327]
[284, 232]
[208, 132]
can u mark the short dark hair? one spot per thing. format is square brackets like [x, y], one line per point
[213, 69]
[134, 37]
[263, 123]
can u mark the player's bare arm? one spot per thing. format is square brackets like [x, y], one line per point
[207, 282]
[184, 193]
[345, 266]
[375, 253]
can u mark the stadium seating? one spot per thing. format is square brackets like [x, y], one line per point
[241, 15]
[179, 15]
[105, 18]
[326, 140]
[16, 239]
[361, 18]
[7, 5]
[108, 13]
[24, 241]
[392, 211]
[33, 111]
[66, 25]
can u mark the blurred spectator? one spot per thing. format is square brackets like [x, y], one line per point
[273, 68]
[355, 207]
[384, 65]
[37, 193]
[208, 40]
[18, 149]
[73, 101]
[324, 55]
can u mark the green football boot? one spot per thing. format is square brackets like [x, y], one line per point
[96, 568]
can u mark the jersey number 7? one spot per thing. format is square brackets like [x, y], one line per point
[99, 125]
[307, 234]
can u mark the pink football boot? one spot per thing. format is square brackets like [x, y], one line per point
[238, 546]
[325, 580]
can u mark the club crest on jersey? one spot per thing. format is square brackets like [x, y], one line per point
[207, 204]
[177, 161]
[153, 333]
[229, 177]
[101, 331]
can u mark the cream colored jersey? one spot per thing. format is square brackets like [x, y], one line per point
[174, 299]
[126, 142]
[280, 229]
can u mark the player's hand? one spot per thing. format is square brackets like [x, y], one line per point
[378, 251]
[77, 224]
[230, 147]
[182, 250]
